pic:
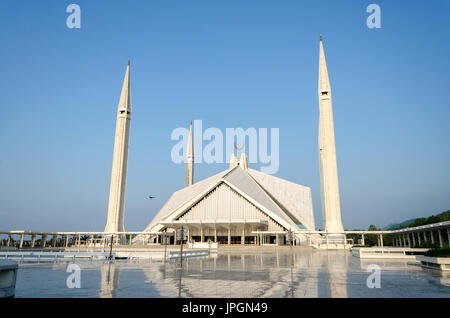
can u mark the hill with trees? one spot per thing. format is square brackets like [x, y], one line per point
[442, 217]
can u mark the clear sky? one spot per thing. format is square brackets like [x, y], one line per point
[231, 63]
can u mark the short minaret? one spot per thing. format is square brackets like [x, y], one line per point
[331, 210]
[190, 159]
[243, 162]
[115, 222]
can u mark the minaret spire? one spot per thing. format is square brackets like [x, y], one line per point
[331, 210]
[115, 221]
[190, 159]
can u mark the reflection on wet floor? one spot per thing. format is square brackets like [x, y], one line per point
[298, 273]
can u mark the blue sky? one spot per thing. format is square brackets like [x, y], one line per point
[231, 64]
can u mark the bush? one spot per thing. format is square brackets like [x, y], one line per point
[426, 244]
[439, 252]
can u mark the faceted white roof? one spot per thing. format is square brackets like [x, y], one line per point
[241, 179]
[285, 201]
[293, 197]
[180, 197]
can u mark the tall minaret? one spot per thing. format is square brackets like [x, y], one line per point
[120, 160]
[190, 159]
[331, 210]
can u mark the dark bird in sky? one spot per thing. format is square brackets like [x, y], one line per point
[151, 197]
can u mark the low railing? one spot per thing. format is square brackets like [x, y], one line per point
[53, 256]
[387, 252]
[187, 253]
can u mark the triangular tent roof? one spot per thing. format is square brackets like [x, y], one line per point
[287, 203]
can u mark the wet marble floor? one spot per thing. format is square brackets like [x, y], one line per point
[279, 273]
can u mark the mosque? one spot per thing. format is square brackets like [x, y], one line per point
[239, 205]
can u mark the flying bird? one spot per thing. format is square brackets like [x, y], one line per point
[151, 197]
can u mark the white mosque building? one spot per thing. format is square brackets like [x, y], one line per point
[239, 205]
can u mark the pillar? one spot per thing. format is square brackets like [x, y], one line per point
[44, 239]
[54, 240]
[418, 238]
[202, 237]
[448, 236]
[215, 234]
[79, 240]
[441, 241]
[8, 242]
[413, 238]
[243, 236]
[432, 237]
[131, 239]
[66, 239]
[363, 242]
[381, 240]
[33, 239]
[21, 241]
[229, 236]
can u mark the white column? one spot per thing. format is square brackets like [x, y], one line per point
[44, 239]
[190, 159]
[33, 239]
[21, 241]
[117, 191]
[432, 237]
[418, 237]
[331, 209]
[413, 238]
[441, 241]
